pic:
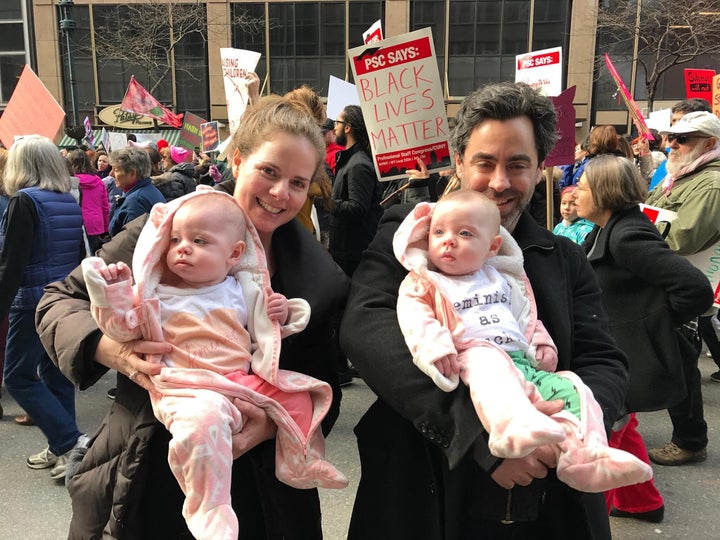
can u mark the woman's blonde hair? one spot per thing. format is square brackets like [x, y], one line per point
[35, 161]
[275, 114]
[615, 182]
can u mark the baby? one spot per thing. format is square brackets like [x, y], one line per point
[571, 226]
[467, 310]
[203, 286]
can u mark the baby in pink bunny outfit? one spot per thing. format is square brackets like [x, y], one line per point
[467, 311]
[202, 285]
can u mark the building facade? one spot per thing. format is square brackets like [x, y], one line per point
[301, 42]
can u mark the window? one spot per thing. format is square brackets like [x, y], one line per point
[431, 14]
[12, 47]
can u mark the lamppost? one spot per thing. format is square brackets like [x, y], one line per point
[67, 26]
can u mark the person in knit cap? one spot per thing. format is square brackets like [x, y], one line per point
[179, 176]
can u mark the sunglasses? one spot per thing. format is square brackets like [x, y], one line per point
[682, 139]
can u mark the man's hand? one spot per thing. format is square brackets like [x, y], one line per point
[277, 308]
[522, 471]
[257, 428]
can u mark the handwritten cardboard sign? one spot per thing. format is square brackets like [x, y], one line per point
[236, 64]
[708, 261]
[716, 95]
[190, 136]
[210, 133]
[402, 102]
[698, 83]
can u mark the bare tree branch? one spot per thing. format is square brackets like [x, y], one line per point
[142, 35]
[669, 32]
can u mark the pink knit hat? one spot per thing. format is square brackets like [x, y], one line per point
[179, 154]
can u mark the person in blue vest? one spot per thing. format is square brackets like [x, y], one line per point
[132, 169]
[42, 241]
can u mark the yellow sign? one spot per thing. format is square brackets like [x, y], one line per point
[716, 95]
[115, 116]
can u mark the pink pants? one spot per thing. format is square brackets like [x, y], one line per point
[200, 452]
[636, 498]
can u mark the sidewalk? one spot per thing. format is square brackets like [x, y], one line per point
[33, 507]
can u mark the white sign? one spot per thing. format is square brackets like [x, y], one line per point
[402, 102]
[541, 70]
[708, 261]
[340, 95]
[236, 64]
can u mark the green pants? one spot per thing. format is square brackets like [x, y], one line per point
[550, 385]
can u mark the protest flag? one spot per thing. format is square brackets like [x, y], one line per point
[630, 104]
[139, 101]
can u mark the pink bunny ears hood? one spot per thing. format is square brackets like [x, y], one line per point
[410, 243]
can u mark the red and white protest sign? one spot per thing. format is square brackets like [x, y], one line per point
[401, 97]
[708, 261]
[541, 69]
[374, 33]
[698, 83]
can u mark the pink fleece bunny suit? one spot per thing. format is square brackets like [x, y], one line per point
[502, 395]
[220, 353]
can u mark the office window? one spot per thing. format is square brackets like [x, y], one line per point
[12, 47]
[249, 37]
[431, 14]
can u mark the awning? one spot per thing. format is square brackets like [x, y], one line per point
[172, 136]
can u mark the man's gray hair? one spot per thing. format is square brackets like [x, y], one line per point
[505, 101]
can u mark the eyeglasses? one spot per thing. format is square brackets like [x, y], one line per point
[340, 122]
[682, 139]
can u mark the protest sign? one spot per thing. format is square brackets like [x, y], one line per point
[374, 33]
[117, 140]
[190, 136]
[698, 83]
[402, 102]
[89, 135]
[633, 109]
[340, 95]
[716, 95]
[708, 260]
[31, 110]
[563, 153]
[105, 139]
[236, 64]
[541, 69]
[210, 134]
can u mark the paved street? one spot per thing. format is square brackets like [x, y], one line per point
[33, 507]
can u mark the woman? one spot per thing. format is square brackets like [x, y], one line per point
[278, 152]
[101, 163]
[43, 242]
[93, 200]
[601, 140]
[177, 167]
[649, 292]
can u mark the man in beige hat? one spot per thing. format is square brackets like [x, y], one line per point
[692, 189]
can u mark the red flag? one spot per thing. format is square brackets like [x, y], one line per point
[139, 101]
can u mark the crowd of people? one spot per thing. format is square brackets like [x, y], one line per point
[234, 299]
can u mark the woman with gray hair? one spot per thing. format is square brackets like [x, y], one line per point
[41, 238]
[648, 292]
[132, 169]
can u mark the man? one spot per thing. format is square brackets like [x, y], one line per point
[692, 189]
[680, 109]
[356, 192]
[427, 471]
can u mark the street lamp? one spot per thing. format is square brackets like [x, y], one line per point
[67, 26]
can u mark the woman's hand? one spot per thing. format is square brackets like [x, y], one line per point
[257, 428]
[128, 359]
